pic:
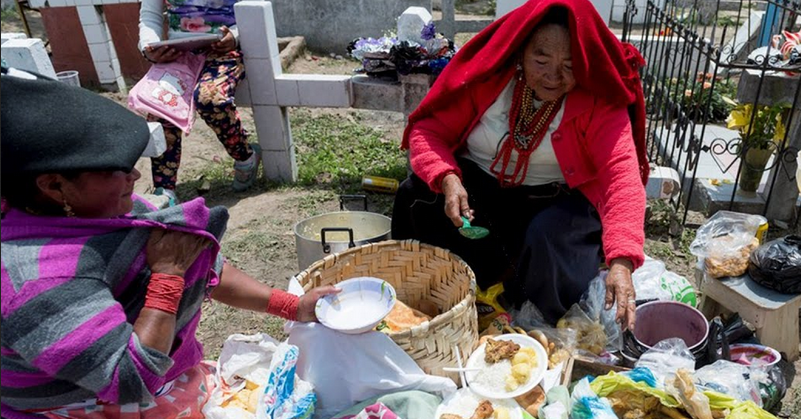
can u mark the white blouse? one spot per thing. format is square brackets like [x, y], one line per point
[484, 142]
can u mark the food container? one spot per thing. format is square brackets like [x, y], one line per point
[319, 236]
[660, 320]
[753, 355]
[359, 307]
[418, 272]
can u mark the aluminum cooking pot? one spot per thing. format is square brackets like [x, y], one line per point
[319, 236]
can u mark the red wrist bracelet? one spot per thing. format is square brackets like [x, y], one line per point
[164, 292]
[283, 304]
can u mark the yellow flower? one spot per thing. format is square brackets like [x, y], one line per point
[778, 136]
[740, 117]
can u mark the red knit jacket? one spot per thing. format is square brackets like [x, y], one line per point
[600, 143]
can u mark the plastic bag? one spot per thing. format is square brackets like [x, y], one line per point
[488, 306]
[558, 343]
[256, 379]
[730, 378]
[285, 395]
[242, 371]
[777, 265]
[772, 389]
[725, 242]
[587, 405]
[590, 335]
[665, 358]
[679, 288]
[167, 90]
[557, 404]
[593, 301]
[647, 281]
[682, 388]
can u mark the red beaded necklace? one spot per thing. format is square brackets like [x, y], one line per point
[527, 127]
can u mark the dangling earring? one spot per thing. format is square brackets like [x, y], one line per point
[519, 68]
[68, 210]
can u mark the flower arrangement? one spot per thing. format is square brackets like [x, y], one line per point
[387, 56]
[762, 132]
[697, 94]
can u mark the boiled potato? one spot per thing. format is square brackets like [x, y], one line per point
[501, 413]
[521, 358]
[511, 383]
[521, 372]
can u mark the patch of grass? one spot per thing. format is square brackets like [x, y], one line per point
[252, 244]
[334, 152]
[9, 14]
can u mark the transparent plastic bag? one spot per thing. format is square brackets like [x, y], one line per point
[647, 281]
[590, 335]
[732, 379]
[665, 358]
[593, 302]
[682, 387]
[558, 343]
[725, 242]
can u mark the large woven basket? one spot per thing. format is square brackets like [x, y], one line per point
[417, 271]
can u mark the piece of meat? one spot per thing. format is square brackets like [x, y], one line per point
[497, 350]
[483, 411]
[450, 416]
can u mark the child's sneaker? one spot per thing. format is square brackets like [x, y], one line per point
[246, 172]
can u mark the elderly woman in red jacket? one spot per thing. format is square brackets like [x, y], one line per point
[536, 131]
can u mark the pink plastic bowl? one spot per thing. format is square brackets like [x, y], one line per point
[754, 355]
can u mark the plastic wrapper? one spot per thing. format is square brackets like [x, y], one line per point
[772, 389]
[557, 404]
[590, 335]
[665, 358]
[648, 281]
[587, 405]
[488, 306]
[725, 242]
[777, 265]
[681, 386]
[593, 301]
[679, 288]
[730, 378]
[558, 343]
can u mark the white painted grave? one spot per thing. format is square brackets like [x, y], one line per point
[411, 23]
[27, 54]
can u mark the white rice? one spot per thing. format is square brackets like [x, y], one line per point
[465, 403]
[492, 377]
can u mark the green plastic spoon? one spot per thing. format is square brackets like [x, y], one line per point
[472, 232]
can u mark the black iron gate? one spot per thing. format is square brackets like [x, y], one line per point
[702, 71]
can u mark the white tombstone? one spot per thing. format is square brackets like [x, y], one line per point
[411, 23]
[28, 54]
[5, 36]
[604, 7]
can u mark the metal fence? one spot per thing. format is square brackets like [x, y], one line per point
[700, 56]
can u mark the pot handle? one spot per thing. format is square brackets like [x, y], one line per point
[343, 198]
[326, 246]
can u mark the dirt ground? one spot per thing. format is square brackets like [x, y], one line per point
[260, 239]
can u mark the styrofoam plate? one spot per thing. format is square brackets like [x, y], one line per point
[476, 360]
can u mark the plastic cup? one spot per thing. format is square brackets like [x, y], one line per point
[69, 77]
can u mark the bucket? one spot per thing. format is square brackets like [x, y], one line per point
[69, 77]
[660, 320]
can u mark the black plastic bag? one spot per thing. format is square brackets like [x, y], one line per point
[777, 265]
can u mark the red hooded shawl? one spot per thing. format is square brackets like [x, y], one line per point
[602, 65]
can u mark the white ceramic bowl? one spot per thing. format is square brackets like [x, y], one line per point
[359, 307]
[464, 402]
[476, 360]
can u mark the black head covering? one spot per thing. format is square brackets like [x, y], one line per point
[50, 127]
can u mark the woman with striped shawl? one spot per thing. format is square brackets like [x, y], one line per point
[101, 292]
